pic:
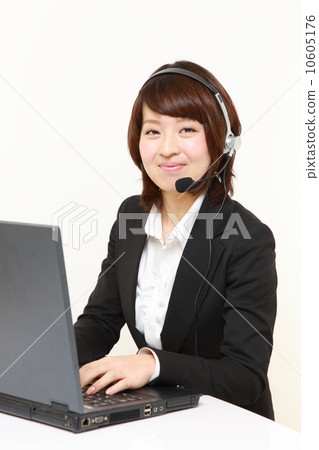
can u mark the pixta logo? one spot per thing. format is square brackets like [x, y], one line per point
[78, 224]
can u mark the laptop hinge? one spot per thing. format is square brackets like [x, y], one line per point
[59, 407]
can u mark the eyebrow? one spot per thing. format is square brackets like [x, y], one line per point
[151, 121]
[179, 119]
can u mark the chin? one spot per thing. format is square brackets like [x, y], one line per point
[167, 186]
[169, 189]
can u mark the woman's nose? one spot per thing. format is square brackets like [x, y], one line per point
[169, 145]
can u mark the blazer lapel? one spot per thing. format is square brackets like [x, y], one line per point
[180, 312]
[128, 267]
[196, 265]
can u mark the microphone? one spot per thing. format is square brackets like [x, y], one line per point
[183, 184]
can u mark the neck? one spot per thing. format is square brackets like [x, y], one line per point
[174, 202]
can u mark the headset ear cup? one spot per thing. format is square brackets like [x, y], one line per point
[232, 144]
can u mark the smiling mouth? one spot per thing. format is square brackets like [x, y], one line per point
[172, 167]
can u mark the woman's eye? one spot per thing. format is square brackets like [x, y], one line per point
[188, 130]
[151, 132]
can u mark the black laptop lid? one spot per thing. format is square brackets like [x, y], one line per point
[38, 359]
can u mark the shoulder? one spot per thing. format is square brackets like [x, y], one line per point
[131, 205]
[245, 232]
[240, 227]
[251, 252]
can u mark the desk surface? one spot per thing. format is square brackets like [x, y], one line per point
[215, 423]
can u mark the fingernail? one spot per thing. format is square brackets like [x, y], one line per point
[91, 390]
[109, 391]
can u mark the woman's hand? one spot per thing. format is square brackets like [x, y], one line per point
[127, 372]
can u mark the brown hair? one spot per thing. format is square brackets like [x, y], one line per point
[180, 96]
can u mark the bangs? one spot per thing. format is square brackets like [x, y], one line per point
[175, 96]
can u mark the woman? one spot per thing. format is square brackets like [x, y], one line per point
[192, 274]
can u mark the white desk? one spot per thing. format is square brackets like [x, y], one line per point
[214, 424]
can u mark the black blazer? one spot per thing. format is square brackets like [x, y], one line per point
[235, 311]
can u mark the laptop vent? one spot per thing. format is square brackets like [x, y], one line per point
[124, 415]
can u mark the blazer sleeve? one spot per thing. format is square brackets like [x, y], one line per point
[98, 328]
[239, 375]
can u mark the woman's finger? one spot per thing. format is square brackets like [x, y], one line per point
[121, 385]
[106, 380]
[91, 371]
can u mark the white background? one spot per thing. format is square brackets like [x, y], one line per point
[69, 73]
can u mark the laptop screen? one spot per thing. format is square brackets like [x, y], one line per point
[38, 359]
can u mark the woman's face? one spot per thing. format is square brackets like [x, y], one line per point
[172, 148]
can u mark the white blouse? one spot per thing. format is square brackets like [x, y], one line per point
[157, 271]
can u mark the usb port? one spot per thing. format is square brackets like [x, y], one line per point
[147, 410]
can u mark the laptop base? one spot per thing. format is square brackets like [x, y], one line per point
[60, 416]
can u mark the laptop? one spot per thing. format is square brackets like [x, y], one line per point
[39, 371]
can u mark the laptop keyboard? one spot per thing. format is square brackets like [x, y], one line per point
[101, 399]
